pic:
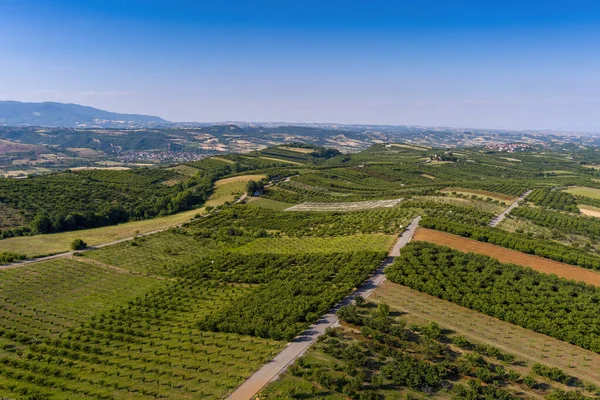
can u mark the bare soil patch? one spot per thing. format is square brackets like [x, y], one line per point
[508, 256]
[590, 211]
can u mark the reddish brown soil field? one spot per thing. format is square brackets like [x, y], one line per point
[508, 256]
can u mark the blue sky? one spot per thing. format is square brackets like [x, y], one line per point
[488, 64]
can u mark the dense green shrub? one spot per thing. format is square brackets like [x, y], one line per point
[516, 241]
[566, 310]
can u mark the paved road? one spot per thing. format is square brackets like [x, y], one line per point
[504, 213]
[272, 369]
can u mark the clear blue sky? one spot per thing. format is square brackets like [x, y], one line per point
[490, 64]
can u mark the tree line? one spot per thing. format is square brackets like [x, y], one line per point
[565, 310]
[516, 241]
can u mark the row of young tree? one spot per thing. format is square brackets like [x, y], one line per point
[563, 309]
[566, 223]
[555, 199]
[516, 241]
[293, 292]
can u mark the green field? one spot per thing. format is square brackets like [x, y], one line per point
[125, 337]
[269, 204]
[584, 191]
[38, 298]
[34, 246]
[193, 310]
[376, 354]
[318, 245]
[228, 190]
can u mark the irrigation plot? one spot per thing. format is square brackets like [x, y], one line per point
[348, 206]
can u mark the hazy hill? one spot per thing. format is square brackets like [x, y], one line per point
[69, 115]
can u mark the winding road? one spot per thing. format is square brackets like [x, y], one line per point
[275, 367]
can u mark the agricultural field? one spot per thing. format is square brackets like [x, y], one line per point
[421, 308]
[385, 349]
[505, 255]
[506, 199]
[566, 310]
[39, 245]
[590, 192]
[38, 298]
[230, 189]
[318, 245]
[469, 202]
[350, 206]
[590, 211]
[9, 217]
[202, 302]
[268, 203]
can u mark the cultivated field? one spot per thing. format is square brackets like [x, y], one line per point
[584, 191]
[240, 178]
[349, 206]
[38, 298]
[185, 169]
[477, 204]
[297, 149]
[154, 254]
[268, 203]
[341, 244]
[481, 193]
[280, 160]
[590, 211]
[34, 246]
[9, 217]
[149, 348]
[521, 342]
[508, 256]
[229, 189]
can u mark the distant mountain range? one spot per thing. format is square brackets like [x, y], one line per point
[70, 115]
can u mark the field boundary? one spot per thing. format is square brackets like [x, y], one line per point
[508, 256]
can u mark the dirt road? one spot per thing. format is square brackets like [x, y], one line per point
[272, 369]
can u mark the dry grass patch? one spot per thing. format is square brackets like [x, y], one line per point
[508, 256]
[590, 211]
[38, 245]
[433, 178]
[592, 193]
[531, 346]
[241, 178]
[297, 149]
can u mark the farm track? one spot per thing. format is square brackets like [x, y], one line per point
[522, 343]
[271, 371]
[508, 256]
[504, 213]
